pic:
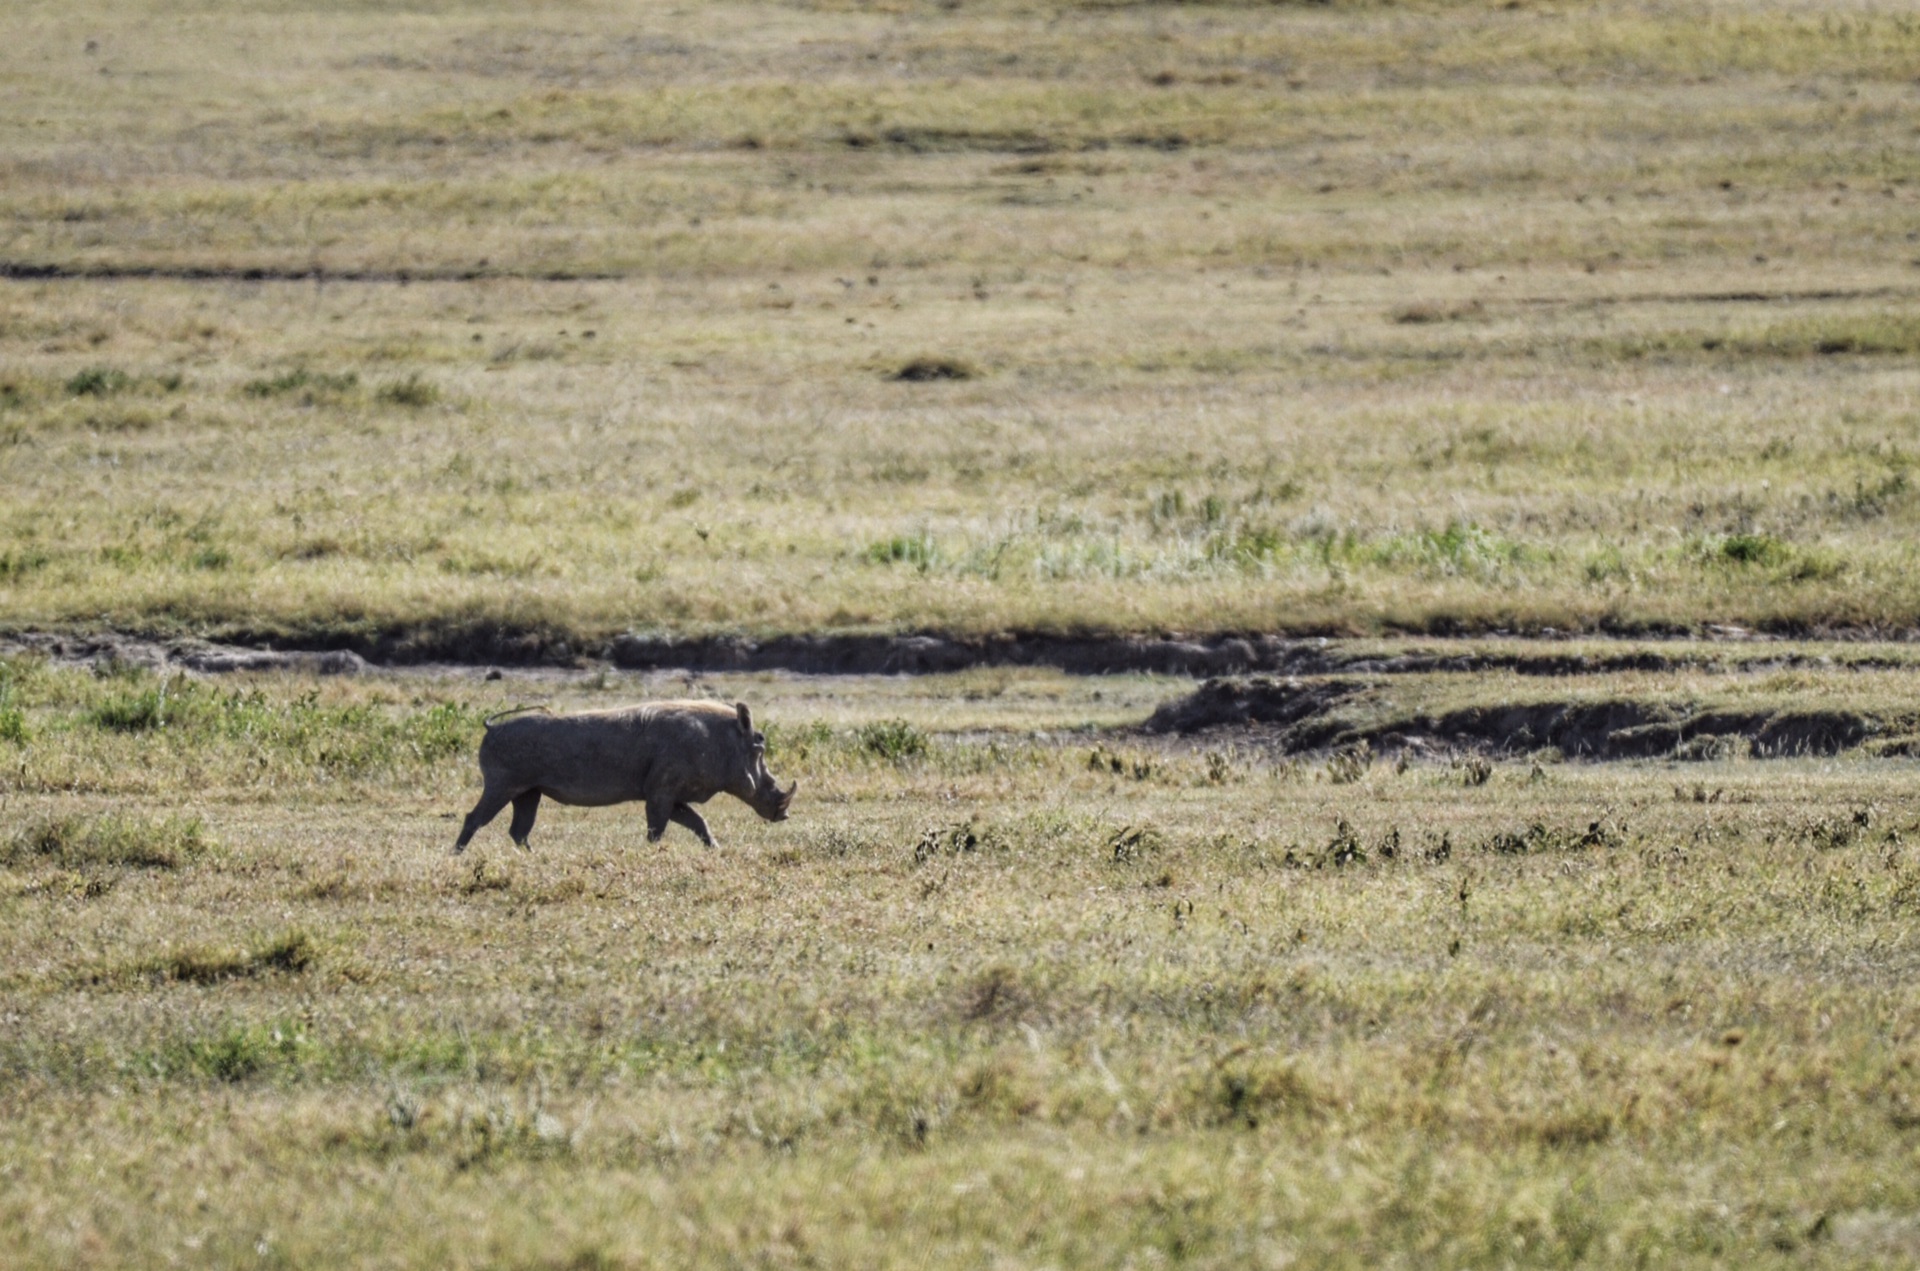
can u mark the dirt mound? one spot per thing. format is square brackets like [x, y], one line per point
[1298, 709]
[1299, 715]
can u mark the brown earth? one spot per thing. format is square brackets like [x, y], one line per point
[487, 645]
[1297, 715]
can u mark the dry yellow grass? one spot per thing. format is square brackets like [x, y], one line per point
[1431, 317]
[982, 999]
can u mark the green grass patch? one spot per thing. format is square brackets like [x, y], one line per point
[352, 738]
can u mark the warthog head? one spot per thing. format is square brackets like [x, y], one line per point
[759, 790]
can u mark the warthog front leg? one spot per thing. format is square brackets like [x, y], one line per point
[491, 801]
[525, 808]
[685, 815]
[659, 812]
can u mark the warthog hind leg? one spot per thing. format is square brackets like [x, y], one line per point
[491, 801]
[685, 815]
[525, 808]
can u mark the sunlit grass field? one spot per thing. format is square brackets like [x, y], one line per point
[1011, 986]
[494, 332]
[332, 322]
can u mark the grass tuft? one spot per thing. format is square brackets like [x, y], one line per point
[99, 381]
[997, 993]
[1244, 1092]
[234, 1053]
[917, 550]
[17, 564]
[413, 392]
[895, 740]
[75, 842]
[310, 386]
[922, 370]
[1753, 549]
[134, 711]
[287, 954]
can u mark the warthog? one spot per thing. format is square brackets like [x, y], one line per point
[669, 754]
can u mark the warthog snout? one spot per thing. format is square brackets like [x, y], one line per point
[769, 800]
[773, 802]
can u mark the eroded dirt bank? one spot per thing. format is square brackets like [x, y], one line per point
[1298, 715]
[1685, 700]
[1217, 655]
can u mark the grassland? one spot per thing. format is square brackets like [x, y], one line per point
[990, 996]
[332, 321]
[501, 331]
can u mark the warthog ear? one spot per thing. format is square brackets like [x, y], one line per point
[746, 718]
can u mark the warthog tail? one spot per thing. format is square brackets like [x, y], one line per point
[490, 720]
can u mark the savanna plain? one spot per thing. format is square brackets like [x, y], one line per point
[1555, 365]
